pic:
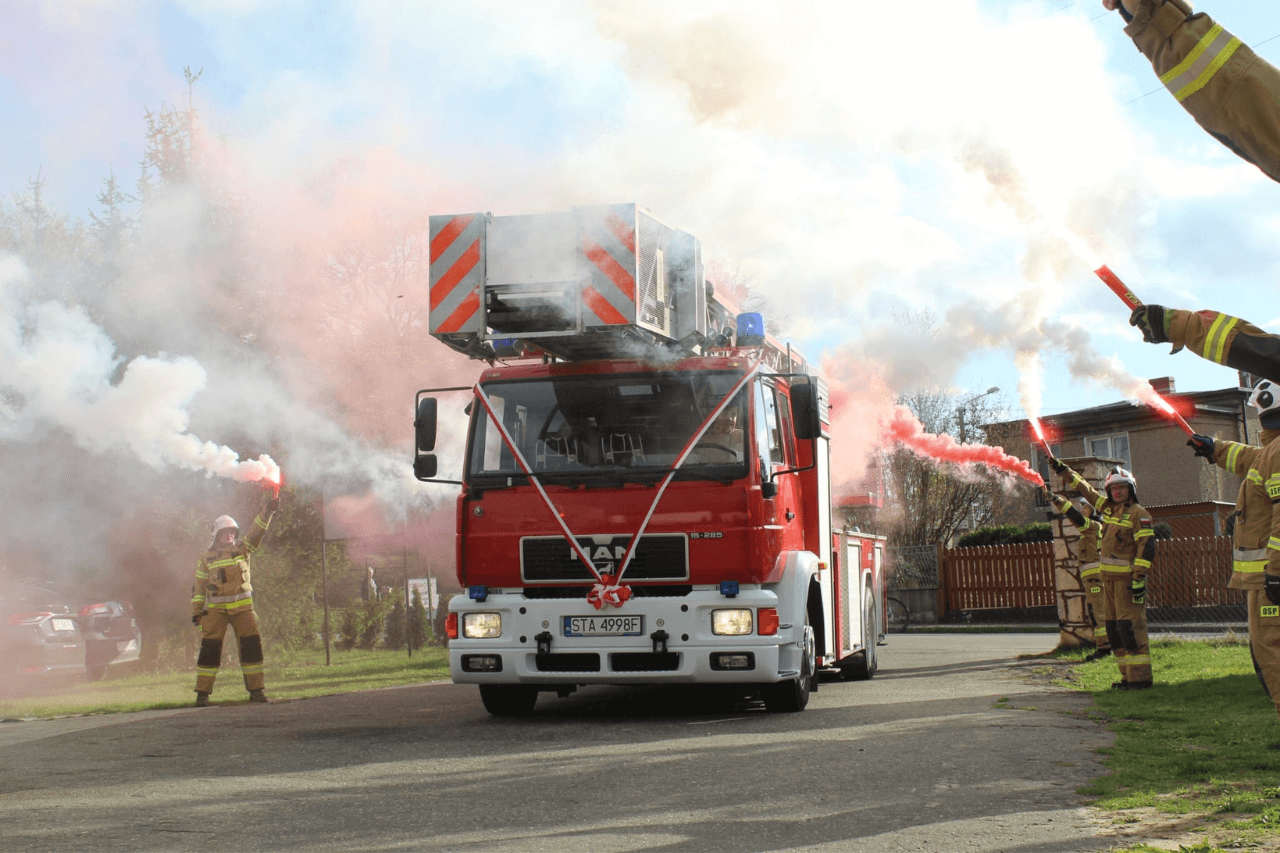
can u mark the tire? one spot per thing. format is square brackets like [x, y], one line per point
[792, 695]
[866, 662]
[508, 700]
[899, 616]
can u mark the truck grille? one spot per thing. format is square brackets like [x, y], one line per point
[549, 559]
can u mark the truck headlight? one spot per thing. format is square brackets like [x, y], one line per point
[481, 626]
[731, 622]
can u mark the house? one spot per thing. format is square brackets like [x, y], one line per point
[1172, 483]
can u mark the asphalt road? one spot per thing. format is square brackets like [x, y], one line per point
[922, 758]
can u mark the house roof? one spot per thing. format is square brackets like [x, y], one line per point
[1225, 401]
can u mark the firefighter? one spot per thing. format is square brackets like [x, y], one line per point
[1212, 335]
[1256, 556]
[1228, 89]
[1125, 549]
[1090, 568]
[222, 596]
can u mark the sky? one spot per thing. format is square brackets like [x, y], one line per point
[859, 165]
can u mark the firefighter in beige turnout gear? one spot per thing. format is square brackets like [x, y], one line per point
[1125, 549]
[1256, 555]
[1090, 568]
[222, 596]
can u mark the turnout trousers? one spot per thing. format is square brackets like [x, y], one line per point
[1264, 641]
[1126, 627]
[1095, 601]
[213, 627]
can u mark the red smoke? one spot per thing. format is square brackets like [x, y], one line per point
[906, 430]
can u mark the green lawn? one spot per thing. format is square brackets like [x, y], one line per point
[1204, 742]
[292, 676]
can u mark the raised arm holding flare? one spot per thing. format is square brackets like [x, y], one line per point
[1228, 89]
[1125, 550]
[1212, 335]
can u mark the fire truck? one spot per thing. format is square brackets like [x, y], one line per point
[645, 489]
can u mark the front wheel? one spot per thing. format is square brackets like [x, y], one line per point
[508, 700]
[792, 695]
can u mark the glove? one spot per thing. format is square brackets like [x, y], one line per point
[1229, 529]
[1273, 588]
[1139, 588]
[1150, 319]
[1058, 466]
[272, 506]
[195, 620]
[1203, 446]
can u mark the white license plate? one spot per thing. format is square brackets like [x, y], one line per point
[62, 624]
[603, 626]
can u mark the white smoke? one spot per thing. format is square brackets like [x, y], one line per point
[58, 369]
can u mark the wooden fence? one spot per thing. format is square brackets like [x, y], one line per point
[1185, 573]
[997, 576]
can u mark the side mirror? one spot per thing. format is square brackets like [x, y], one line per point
[424, 467]
[804, 411]
[424, 427]
[769, 489]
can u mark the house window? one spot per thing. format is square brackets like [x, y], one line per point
[1111, 447]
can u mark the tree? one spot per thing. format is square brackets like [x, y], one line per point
[419, 625]
[929, 501]
[397, 623]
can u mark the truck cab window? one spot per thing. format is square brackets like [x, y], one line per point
[585, 429]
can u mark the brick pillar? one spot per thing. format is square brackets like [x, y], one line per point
[1074, 626]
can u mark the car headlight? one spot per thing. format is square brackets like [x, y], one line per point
[731, 622]
[481, 626]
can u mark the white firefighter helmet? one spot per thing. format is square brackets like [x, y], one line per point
[1120, 476]
[224, 522]
[1266, 399]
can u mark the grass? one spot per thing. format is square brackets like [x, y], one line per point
[288, 676]
[1203, 743]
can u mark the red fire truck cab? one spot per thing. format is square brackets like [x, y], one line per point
[646, 490]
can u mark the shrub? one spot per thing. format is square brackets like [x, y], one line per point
[1007, 534]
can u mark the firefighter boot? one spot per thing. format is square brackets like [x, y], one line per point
[258, 695]
[1097, 654]
[202, 699]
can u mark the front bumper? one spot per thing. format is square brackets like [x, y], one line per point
[693, 655]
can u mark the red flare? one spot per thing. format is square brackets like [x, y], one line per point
[1163, 405]
[1118, 287]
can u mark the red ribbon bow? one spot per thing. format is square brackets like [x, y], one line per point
[608, 592]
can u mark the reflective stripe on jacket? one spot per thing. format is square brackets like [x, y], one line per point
[1227, 88]
[1224, 339]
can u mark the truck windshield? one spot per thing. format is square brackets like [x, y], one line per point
[577, 429]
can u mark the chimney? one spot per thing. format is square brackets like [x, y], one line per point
[1163, 385]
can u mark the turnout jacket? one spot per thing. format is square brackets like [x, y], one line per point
[1257, 536]
[1228, 89]
[222, 574]
[1226, 340]
[1126, 539]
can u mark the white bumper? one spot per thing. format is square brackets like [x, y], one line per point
[686, 620]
